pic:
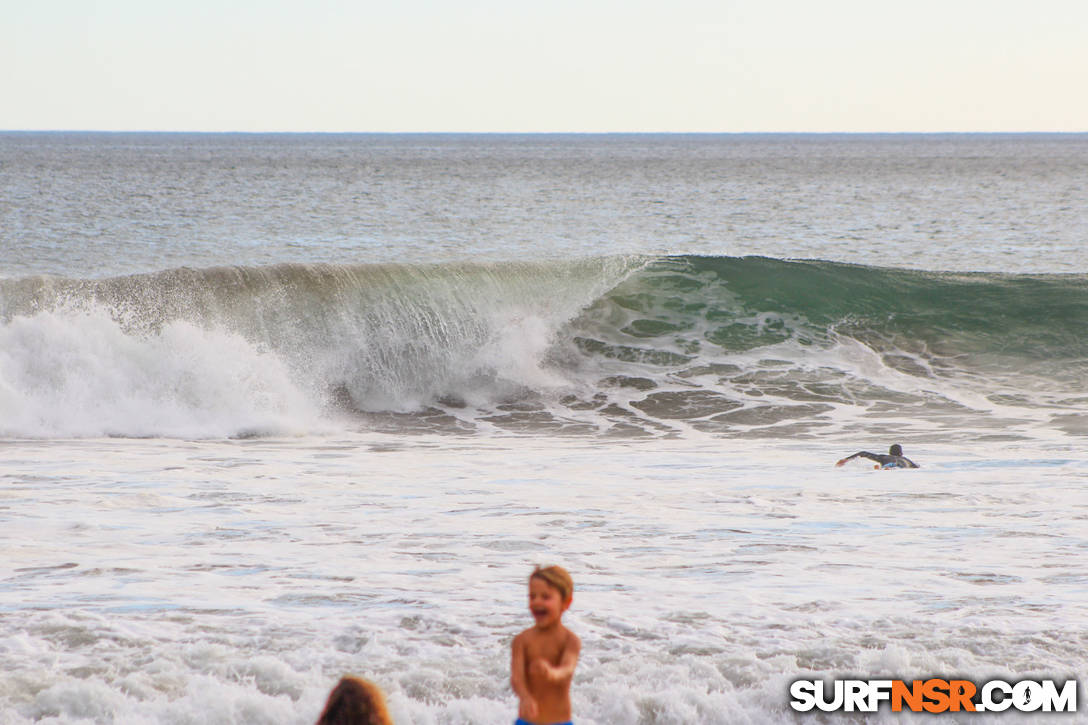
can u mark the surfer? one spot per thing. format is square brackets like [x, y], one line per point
[892, 459]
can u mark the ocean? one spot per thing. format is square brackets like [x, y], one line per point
[280, 408]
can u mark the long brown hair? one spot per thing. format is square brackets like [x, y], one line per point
[355, 701]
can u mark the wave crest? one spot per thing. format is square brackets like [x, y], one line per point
[620, 345]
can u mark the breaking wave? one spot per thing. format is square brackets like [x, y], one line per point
[624, 346]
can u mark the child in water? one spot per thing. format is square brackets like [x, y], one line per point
[355, 701]
[544, 656]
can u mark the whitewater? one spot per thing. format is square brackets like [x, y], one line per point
[275, 409]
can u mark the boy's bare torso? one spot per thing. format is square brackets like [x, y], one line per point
[547, 646]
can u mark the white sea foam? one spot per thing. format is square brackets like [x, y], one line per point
[234, 581]
[81, 374]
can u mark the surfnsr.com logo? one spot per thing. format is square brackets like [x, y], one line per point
[934, 695]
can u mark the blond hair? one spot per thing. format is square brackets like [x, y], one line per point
[556, 577]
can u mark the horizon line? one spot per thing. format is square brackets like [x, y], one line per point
[538, 133]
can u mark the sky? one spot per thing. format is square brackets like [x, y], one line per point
[555, 66]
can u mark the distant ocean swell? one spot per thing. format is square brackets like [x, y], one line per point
[623, 346]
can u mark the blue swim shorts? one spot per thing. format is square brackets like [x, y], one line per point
[519, 721]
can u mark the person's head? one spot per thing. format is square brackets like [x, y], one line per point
[355, 701]
[896, 449]
[551, 590]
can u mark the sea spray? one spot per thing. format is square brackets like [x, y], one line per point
[248, 350]
[614, 345]
[81, 374]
